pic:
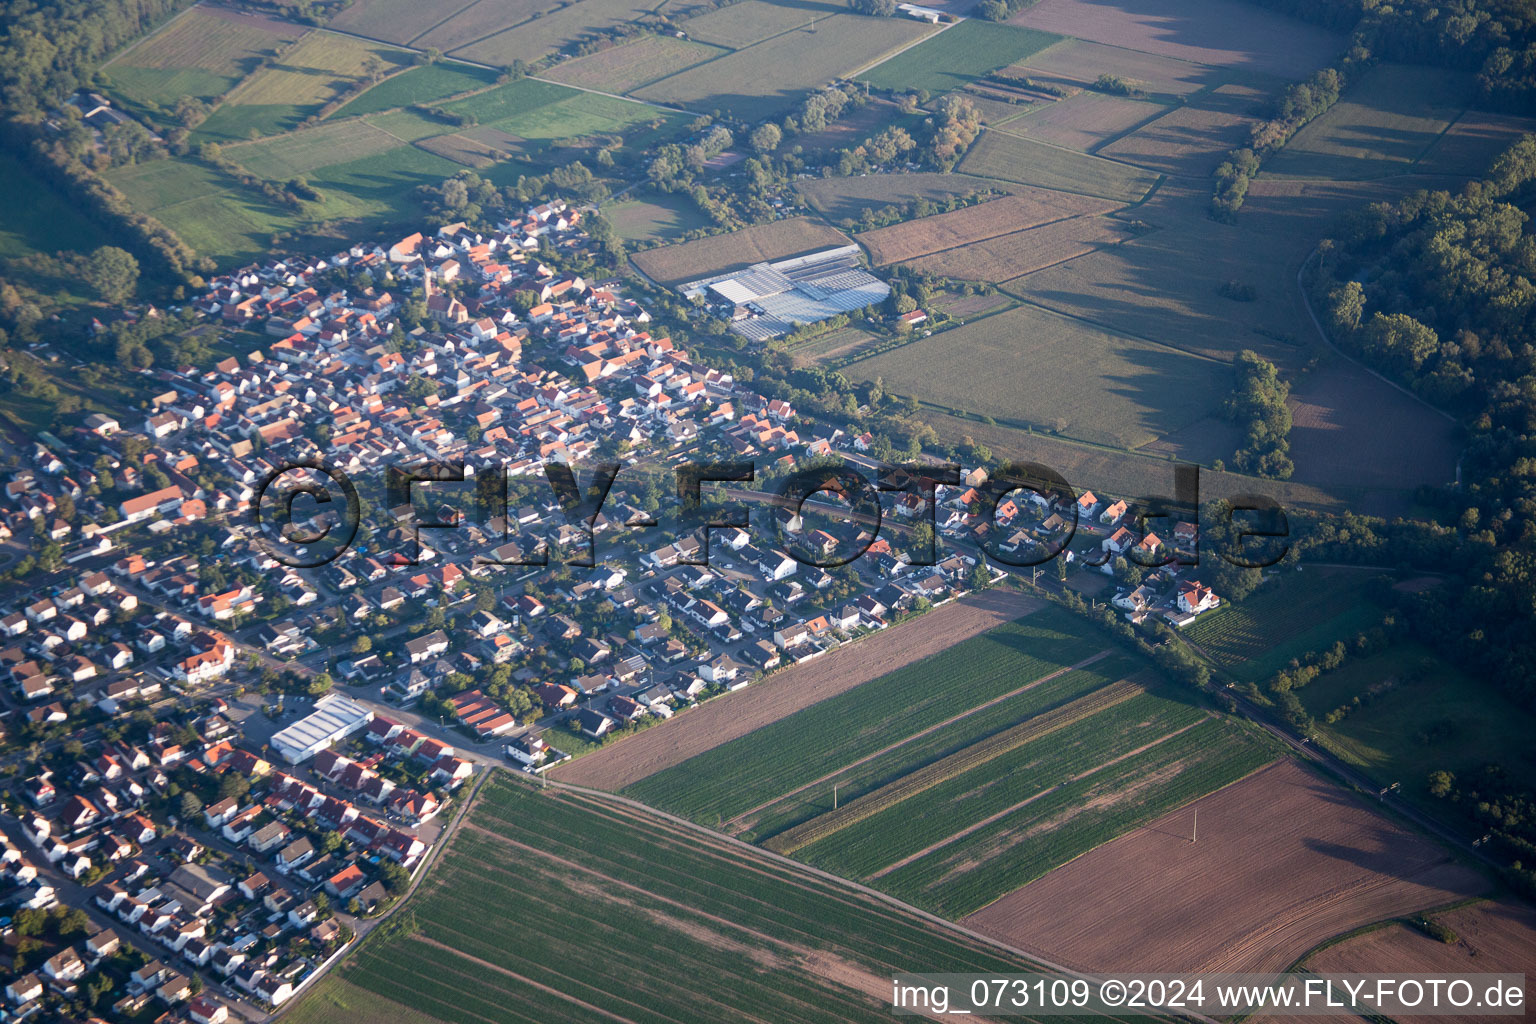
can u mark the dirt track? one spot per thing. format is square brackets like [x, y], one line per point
[786, 692]
[1284, 860]
[1491, 938]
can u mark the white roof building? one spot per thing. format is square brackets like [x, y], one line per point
[334, 717]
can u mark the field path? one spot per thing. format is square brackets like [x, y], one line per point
[783, 693]
[925, 851]
[892, 56]
[546, 989]
[747, 853]
[919, 735]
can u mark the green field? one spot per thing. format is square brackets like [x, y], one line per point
[1079, 790]
[37, 219]
[1419, 714]
[1010, 158]
[828, 737]
[209, 210]
[958, 56]
[367, 168]
[541, 112]
[280, 97]
[218, 217]
[203, 53]
[1030, 368]
[656, 217]
[299, 153]
[621, 910]
[1381, 125]
[1287, 617]
[765, 79]
[420, 85]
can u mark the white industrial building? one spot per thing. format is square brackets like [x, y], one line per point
[334, 718]
[767, 300]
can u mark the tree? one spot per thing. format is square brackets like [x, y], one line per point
[190, 806]
[72, 922]
[766, 138]
[395, 878]
[112, 272]
[875, 8]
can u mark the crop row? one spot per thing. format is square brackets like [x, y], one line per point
[1006, 783]
[770, 897]
[964, 877]
[856, 780]
[943, 770]
[779, 758]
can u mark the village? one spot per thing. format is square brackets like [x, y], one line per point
[230, 766]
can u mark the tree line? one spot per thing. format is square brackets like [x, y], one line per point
[1495, 38]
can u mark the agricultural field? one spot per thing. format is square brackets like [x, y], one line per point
[483, 19]
[1341, 412]
[1381, 125]
[1006, 257]
[655, 217]
[996, 106]
[1212, 32]
[897, 714]
[1013, 158]
[1079, 62]
[765, 79]
[834, 347]
[844, 200]
[612, 886]
[543, 113]
[211, 212]
[956, 56]
[918, 767]
[1191, 140]
[622, 69]
[959, 845]
[742, 24]
[301, 152]
[1471, 144]
[276, 99]
[395, 21]
[463, 150]
[544, 34]
[1491, 937]
[703, 257]
[1085, 121]
[1276, 863]
[995, 217]
[1166, 283]
[204, 52]
[1419, 714]
[786, 692]
[1285, 618]
[379, 187]
[1031, 367]
[420, 85]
